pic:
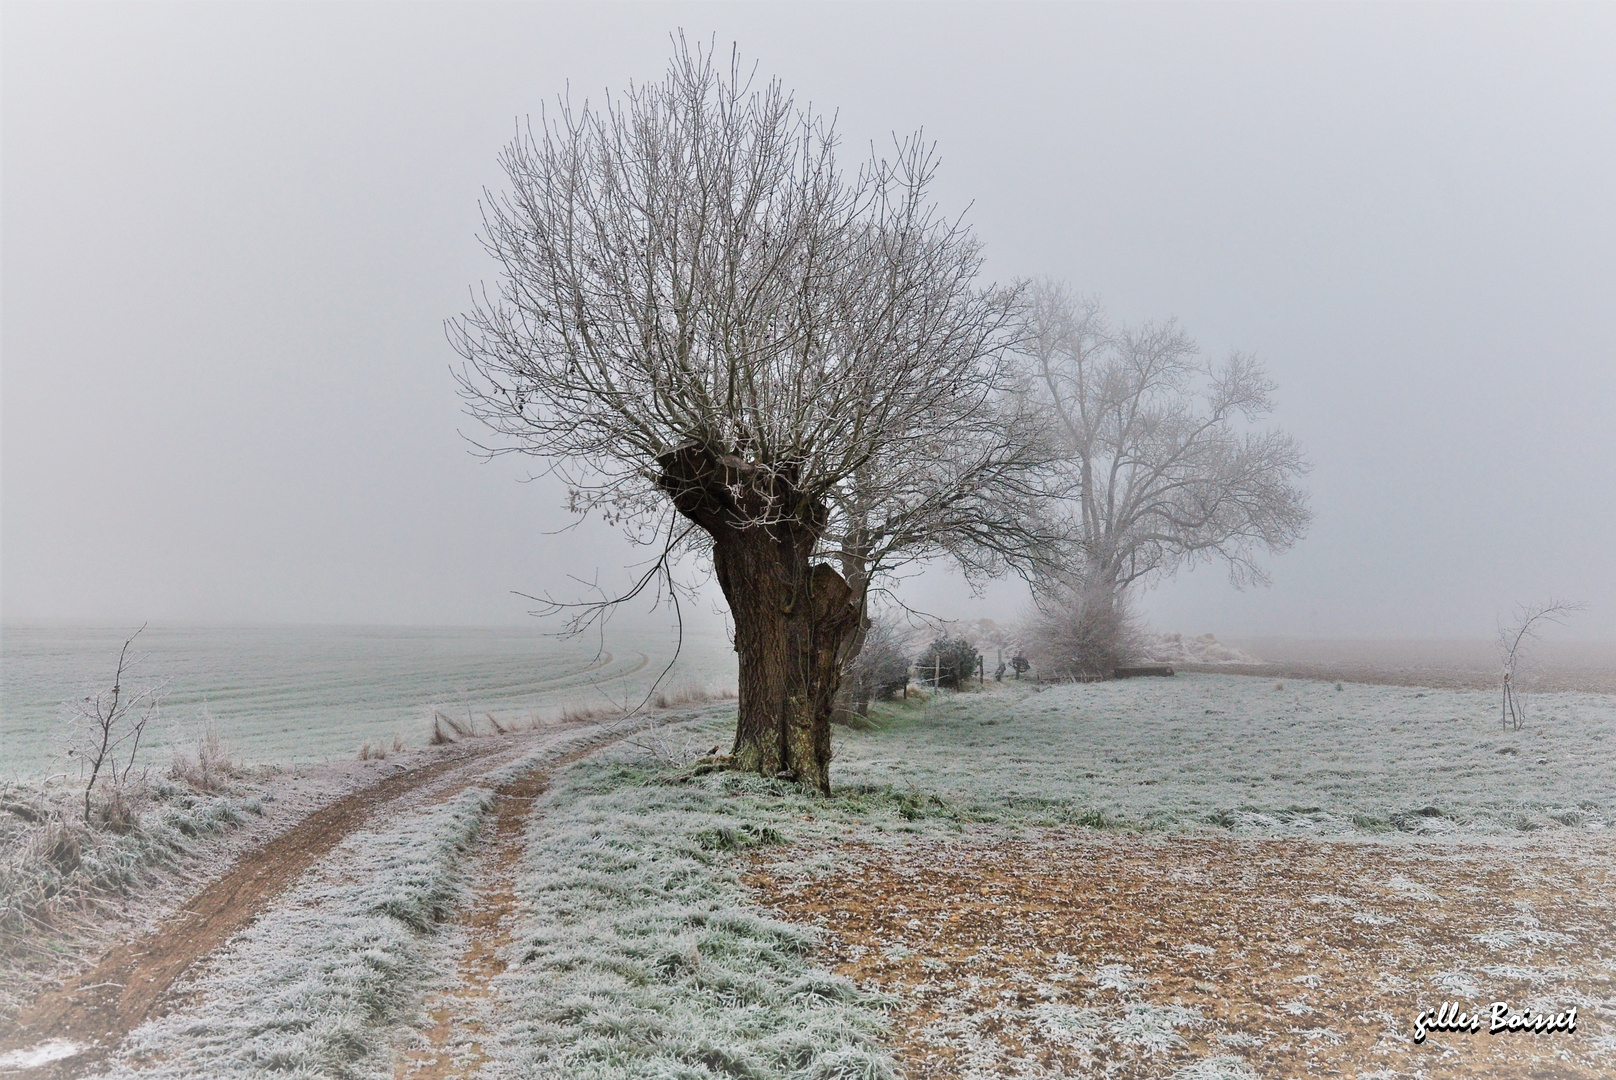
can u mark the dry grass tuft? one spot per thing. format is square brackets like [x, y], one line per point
[689, 693]
[446, 729]
[210, 768]
[583, 714]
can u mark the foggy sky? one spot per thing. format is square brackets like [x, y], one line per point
[231, 234]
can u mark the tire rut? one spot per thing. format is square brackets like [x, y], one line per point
[98, 1008]
[459, 1014]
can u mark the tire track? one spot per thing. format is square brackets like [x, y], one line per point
[454, 1041]
[98, 1008]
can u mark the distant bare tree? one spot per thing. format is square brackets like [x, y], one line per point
[1512, 641]
[1162, 466]
[111, 724]
[731, 346]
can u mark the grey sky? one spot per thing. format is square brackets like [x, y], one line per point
[231, 232]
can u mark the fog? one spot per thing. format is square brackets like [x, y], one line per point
[231, 234]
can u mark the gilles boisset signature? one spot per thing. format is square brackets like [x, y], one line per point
[1498, 1018]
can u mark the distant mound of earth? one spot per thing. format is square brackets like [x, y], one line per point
[1178, 649]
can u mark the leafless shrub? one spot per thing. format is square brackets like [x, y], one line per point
[1077, 631]
[1512, 641]
[881, 668]
[108, 726]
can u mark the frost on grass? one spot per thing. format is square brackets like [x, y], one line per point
[1218, 1067]
[1152, 1028]
[311, 989]
[57, 873]
[1230, 752]
[639, 954]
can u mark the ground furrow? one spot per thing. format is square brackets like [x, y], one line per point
[97, 1009]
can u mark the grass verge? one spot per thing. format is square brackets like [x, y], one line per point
[641, 954]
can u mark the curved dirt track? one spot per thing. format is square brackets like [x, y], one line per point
[99, 1007]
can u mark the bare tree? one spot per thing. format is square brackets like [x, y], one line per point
[732, 346]
[112, 723]
[1512, 641]
[1163, 466]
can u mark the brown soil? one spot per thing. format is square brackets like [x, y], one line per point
[129, 986]
[1301, 958]
[453, 1042]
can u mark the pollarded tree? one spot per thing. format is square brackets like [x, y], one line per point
[725, 341]
[1164, 465]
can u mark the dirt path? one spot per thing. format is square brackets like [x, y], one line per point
[1082, 952]
[100, 1007]
[458, 1014]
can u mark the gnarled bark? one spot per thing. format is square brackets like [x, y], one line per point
[792, 615]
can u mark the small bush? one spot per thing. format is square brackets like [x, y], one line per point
[210, 769]
[947, 663]
[880, 670]
[1081, 632]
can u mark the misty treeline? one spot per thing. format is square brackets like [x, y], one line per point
[760, 360]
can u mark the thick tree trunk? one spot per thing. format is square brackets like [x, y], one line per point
[790, 619]
[791, 615]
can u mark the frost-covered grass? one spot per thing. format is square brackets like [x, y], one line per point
[311, 989]
[1240, 753]
[639, 954]
[56, 870]
[325, 981]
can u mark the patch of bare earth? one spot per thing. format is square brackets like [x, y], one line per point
[1129, 956]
